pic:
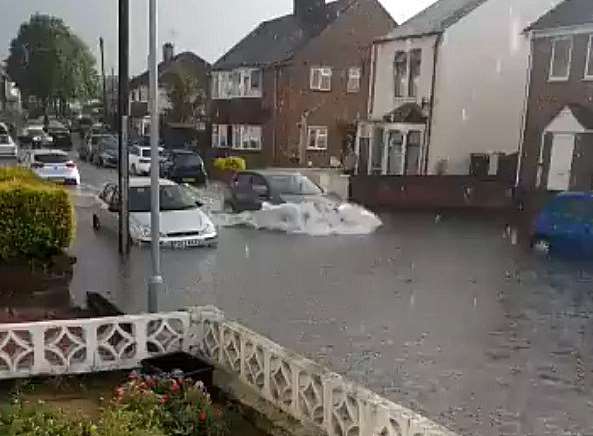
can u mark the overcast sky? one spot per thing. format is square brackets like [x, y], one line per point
[206, 27]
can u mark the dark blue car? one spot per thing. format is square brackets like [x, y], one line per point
[565, 225]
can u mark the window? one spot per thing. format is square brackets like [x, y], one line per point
[589, 65]
[219, 136]
[242, 82]
[353, 79]
[415, 64]
[321, 79]
[400, 70]
[243, 137]
[317, 138]
[561, 58]
[215, 89]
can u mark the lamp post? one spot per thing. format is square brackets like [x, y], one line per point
[155, 284]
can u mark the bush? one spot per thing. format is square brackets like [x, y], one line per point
[182, 407]
[231, 163]
[33, 420]
[143, 406]
[36, 217]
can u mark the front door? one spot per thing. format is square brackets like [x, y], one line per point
[561, 162]
[395, 153]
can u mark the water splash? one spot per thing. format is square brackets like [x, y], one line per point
[311, 218]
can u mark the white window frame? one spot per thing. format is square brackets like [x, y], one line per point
[319, 132]
[243, 132]
[588, 76]
[552, 78]
[324, 73]
[354, 79]
[219, 131]
[224, 89]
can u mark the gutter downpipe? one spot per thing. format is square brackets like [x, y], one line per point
[275, 115]
[525, 109]
[431, 109]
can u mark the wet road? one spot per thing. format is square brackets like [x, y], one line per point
[445, 317]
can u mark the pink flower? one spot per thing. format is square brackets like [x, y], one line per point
[202, 416]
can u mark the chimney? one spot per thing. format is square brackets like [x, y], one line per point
[168, 52]
[309, 11]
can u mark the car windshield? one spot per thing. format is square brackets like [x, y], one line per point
[36, 132]
[172, 197]
[188, 160]
[52, 158]
[146, 153]
[293, 184]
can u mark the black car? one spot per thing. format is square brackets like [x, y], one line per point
[183, 166]
[249, 189]
[61, 136]
[106, 153]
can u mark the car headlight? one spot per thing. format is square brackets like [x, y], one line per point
[50, 139]
[36, 138]
[210, 227]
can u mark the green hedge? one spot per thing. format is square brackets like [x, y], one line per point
[36, 217]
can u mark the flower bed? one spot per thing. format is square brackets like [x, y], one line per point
[142, 406]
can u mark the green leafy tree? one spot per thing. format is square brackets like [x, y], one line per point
[186, 96]
[51, 63]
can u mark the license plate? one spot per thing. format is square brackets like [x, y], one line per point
[179, 244]
[58, 180]
[189, 179]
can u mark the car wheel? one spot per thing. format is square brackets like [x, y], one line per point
[100, 163]
[541, 245]
[96, 223]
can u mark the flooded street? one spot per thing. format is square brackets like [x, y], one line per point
[441, 314]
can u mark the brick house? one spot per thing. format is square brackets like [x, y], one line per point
[557, 152]
[291, 91]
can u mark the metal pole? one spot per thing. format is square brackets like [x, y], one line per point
[102, 48]
[155, 285]
[124, 107]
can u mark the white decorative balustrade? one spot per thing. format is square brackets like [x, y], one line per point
[88, 345]
[300, 387]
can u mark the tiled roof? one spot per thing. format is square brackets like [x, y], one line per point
[567, 13]
[435, 18]
[186, 57]
[277, 40]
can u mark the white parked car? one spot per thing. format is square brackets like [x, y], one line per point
[7, 146]
[183, 223]
[53, 165]
[139, 160]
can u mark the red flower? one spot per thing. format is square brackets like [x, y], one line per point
[175, 386]
[164, 399]
[202, 416]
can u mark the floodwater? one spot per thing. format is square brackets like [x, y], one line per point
[442, 314]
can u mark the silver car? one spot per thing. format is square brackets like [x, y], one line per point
[183, 223]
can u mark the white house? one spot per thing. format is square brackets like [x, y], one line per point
[448, 89]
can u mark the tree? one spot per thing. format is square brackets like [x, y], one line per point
[185, 95]
[51, 63]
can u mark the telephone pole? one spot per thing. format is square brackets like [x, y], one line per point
[124, 108]
[102, 48]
